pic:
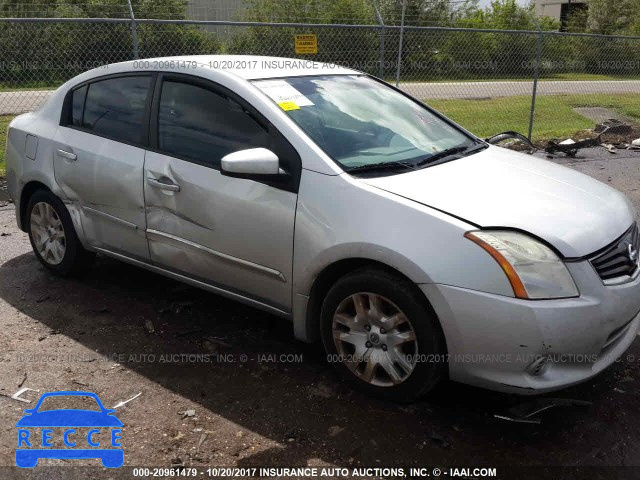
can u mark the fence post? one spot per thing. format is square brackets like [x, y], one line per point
[398, 67]
[536, 76]
[381, 22]
[134, 32]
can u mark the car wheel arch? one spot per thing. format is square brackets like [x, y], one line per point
[27, 192]
[331, 273]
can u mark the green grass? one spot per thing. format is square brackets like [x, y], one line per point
[551, 77]
[555, 117]
[33, 87]
[4, 123]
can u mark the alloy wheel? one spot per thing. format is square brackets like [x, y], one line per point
[375, 339]
[48, 233]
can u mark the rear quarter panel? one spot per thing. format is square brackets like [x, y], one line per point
[22, 170]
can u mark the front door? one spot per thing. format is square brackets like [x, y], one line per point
[236, 234]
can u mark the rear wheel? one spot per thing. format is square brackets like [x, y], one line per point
[381, 335]
[53, 237]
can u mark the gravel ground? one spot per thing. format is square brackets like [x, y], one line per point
[263, 398]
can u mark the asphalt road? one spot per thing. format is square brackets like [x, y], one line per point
[23, 101]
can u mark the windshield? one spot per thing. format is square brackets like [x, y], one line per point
[360, 122]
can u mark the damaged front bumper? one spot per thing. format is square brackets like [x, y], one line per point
[529, 346]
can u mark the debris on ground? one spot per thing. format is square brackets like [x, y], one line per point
[50, 334]
[120, 404]
[203, 437]
[24, 379]
[525, 412]
[179, 307]
[610, 147]
[148, 326]
[179, 436]
[613, 127]
[187, 413]
[77, 382]
[571, 148]
[17, 395]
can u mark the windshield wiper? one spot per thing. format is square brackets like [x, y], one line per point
[449, 152]
[382, 166]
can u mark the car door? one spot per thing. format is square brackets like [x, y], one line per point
[99, 158]
[232, 233]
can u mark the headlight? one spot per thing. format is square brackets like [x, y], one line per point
[533, 269]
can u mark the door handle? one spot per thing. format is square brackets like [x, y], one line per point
[171, 187]
[67, 155]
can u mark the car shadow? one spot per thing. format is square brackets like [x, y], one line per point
[283, 390]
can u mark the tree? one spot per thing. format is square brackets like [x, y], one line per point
[48, 53]
[611, 16]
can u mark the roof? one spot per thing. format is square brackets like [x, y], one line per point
[252, 67]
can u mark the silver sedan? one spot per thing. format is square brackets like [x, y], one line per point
[412, 249]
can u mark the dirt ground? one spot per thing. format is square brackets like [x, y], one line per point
[260, 397]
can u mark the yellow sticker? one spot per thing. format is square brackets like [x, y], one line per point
[289, 106]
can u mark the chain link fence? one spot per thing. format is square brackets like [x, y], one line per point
[546, 84]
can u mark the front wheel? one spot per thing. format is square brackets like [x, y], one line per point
[53, 236]
[382, 336]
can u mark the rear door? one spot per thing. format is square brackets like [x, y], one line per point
[233, 233]
[99, 159]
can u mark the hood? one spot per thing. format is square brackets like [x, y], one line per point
[501, 188]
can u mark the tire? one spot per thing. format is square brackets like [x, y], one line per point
[53, 237]
[411, 368]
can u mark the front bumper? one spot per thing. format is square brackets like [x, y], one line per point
[495, 341]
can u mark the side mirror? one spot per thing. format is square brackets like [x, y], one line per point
[251, 162]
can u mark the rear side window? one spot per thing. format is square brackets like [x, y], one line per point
[199, 124]
[113, 108]
[77, 105]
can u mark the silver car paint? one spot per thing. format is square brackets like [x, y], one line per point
[103, 182]
[337, 217]
[491, 341]
[573, 212]
[226, 231]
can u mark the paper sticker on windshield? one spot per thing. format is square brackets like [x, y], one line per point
[281, 92]
[286, 106]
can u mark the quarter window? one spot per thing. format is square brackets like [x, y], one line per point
[202, 125]
[115, 107]
[77, 105]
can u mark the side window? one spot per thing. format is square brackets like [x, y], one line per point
[115, 107]
[77, 105]
[198, 124]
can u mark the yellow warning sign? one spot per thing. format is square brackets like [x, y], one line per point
[306, 43]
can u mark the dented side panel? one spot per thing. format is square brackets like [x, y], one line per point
[230, 232]
[104, 185]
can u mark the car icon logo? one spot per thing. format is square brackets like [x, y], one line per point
[633, 253]
[86, 433]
